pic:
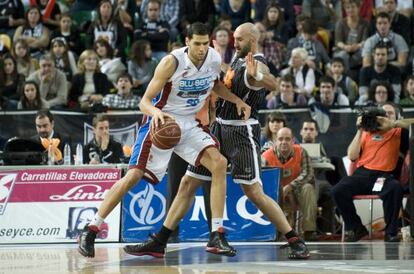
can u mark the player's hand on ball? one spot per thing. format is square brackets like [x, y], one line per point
[159, 118]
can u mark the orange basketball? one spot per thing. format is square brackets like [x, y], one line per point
[167, 135]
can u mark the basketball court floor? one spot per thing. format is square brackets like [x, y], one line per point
[252, 257]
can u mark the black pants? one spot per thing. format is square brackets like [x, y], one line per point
[176, 170]
[361, 183]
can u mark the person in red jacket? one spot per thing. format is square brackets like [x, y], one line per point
[297, 178]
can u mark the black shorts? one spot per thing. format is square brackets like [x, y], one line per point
[240, 145]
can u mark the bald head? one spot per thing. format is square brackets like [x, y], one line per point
[246, 37]
[250, 30]
[284, 141]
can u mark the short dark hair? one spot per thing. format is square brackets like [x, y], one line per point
[43, 113]
[288, 79]
[338, 60]
[383, 15]
[125, 75]
[313, 121]
[380, 45]
[99, 118]
[310, 27]
[197, 28]
[327, 79]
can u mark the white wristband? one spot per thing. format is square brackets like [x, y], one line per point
[259, 76]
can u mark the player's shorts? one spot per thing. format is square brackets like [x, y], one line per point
[239, 143]
[195, 139]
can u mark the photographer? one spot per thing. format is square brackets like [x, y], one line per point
[379, 154]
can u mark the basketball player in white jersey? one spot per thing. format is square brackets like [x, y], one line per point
[182, 82]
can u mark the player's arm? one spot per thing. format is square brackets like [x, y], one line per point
[258, 74]
[222, 92]
[162, 74]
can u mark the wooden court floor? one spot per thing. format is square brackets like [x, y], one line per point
[252, 257]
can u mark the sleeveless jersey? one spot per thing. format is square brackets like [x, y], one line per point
[236, 80]
[189, 87]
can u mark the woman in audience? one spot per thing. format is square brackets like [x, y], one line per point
[274, 121]
[26, 65]
[276, 29]
[112, 67]
[141, 65]
[379, 93]
[34, 32]
[50, 12]
[221, 44]
[69, 32]
[408, 101]
[11, 86]
[303, 74]
[89, 85]
[350, 34]
[64, 58]
[30, 99]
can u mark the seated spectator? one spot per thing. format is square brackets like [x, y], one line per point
[154, 30]
[141, 65]
[103, 149]
[286, 7]
[11, 87]
[34, 32]
[395, 43]
[408, 101]
[50, 12]
[286, 96]
[379, 93]
[343, 83]
[111, 66]
[318, 58]
[350, 34]
[239, 11]
[324, 13]
[303, 74]
[221, 44]
[381, 70]
[26, 65]
[191, 11]
[63, 57]
[12, 16]
[30, 98]
[297, 180]
[123, 99]
[108, 27]
[68, 31]
[379, 157]
[276, 29]
[274, 121]
[224, 21]
[327, 95]
[52, 82]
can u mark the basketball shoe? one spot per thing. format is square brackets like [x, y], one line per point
[86, 241]
[219, 245]
[298, 249]
[152, 247]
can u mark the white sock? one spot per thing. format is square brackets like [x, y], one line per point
[97, 221]
[216, 223]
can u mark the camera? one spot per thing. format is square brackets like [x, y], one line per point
[369, 118]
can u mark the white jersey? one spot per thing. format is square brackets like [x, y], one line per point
[188, 88]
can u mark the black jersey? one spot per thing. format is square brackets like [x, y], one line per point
[235, 80]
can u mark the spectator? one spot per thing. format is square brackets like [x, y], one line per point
[50, 12]
[303, 74]
[52, 82]
[12, 16]
[343, 83]
[141, 65]
[221, 44]
[30, 99]
[350, 34]
[123, 99]
[89, 86]
[11, 87]
[239, 11]
[169, 12]
[408, 101]
[287, 96]
[274, 121]
[276, 29]
[286, 7]
[381, 70]
[379, 93]
[26, 65]
[395, 43]
[379, 157]
[34, 32]
[404, 7]
[69, 32]
[155, 30]
[109, 65]
[64, 58]
[325, 13]
[297, 179]
[196, 11]
[103, 149]
[327, 95]
[106, 26]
